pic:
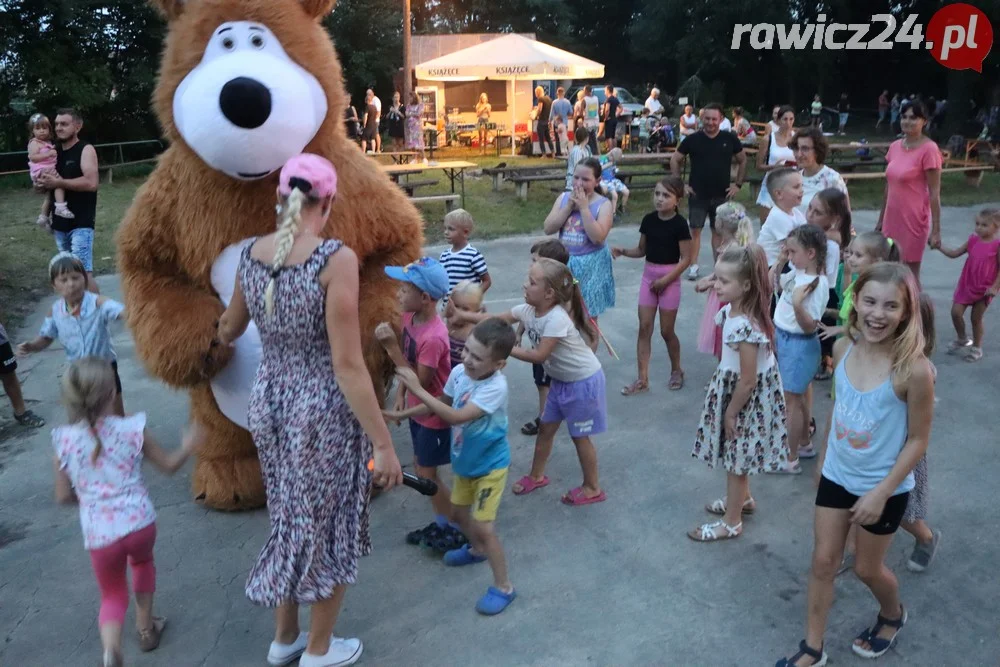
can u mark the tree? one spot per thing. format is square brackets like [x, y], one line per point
[99, 57]
[368, 36]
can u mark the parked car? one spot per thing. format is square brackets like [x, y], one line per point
[631, 107]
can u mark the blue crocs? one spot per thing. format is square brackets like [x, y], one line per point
[494, 601]
[462, 556]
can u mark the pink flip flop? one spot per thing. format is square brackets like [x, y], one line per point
[528, 485]
[576, 497]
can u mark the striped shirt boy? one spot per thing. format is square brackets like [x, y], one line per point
[466, 264]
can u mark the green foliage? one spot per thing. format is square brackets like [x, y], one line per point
[102, 55]
[99, 57]
[368, 36]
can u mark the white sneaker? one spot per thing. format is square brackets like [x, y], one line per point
[693, 272]
[283, 654]
[342, 652]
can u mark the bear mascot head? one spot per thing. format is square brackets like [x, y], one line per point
[243, 86]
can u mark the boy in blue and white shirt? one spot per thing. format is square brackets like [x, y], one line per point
[474, 402]
[461, 260]
[79, 319]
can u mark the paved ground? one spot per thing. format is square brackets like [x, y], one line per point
[612, 584]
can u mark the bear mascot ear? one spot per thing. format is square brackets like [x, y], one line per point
[169, 9]
[318, 8]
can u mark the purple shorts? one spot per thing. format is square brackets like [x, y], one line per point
[669, 298]
[580, 404]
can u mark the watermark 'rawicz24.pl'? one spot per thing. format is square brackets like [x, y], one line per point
[959, 36]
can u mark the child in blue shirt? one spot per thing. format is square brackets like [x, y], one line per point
[475, 404]
[79, 320]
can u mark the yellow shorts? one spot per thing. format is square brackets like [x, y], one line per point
[482, 493]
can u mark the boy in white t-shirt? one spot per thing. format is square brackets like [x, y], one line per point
[474, 403]
[785, 187]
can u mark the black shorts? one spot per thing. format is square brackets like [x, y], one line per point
[541, 377]
[8, 362]
[701, 209]
[118, 380]
[833, 495]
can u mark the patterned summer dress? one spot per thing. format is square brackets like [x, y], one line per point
[313, 453]
[761, 443]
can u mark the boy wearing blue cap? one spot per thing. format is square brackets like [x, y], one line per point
[426, 350]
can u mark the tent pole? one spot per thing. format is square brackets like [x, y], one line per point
[513, 115]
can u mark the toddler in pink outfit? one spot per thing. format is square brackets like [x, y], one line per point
[42, 158]
[98, 463]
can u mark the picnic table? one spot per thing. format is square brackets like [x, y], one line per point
[399, 157]
[453, 169]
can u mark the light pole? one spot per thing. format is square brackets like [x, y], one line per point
[406, 52]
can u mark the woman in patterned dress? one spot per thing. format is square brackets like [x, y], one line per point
[313, 415]
[742, 427]
[415, 125]
[583, 219]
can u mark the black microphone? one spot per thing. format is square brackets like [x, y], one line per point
[422, 485]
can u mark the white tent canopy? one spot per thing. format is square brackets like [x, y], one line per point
[511, 58]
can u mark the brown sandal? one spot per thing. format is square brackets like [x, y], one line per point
[676, 380]
[636, 387]
[149, 638]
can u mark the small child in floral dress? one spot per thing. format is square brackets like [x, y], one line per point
[98, 464]
[742, 426]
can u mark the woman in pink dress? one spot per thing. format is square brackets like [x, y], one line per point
[911, 212]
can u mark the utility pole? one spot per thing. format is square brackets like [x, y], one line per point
[407, 76]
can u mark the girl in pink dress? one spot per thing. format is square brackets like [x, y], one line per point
[98, 464]
[911, 212]
[735, 228]
[978, 284]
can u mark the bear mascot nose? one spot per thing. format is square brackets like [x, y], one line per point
[245, 102]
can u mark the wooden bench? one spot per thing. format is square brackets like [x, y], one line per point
[450, 200]
[626, 176]
[522, 182]
[500, 174]
[973, 173]
[409, 185]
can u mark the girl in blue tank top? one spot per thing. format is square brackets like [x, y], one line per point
[878, 432]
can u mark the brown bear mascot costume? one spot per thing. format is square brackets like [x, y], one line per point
[243, 86]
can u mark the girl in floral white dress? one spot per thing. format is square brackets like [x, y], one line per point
[742, 426]
[98, 463]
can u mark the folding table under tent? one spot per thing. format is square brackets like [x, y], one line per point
[510, 58]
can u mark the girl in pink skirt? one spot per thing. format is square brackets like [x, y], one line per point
[736, 230]
[978, 284]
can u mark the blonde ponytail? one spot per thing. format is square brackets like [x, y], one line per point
[288, 227]
[87, 391]
[732, 217]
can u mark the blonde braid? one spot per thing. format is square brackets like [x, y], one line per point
[288, 227]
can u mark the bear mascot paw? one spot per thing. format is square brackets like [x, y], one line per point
[243, 86]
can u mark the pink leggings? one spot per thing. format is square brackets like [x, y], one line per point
[109, 568]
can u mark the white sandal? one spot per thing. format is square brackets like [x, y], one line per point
[956, 346]
[718, 506]
[706, 532]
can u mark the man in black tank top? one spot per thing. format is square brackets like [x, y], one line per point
[76, 166]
